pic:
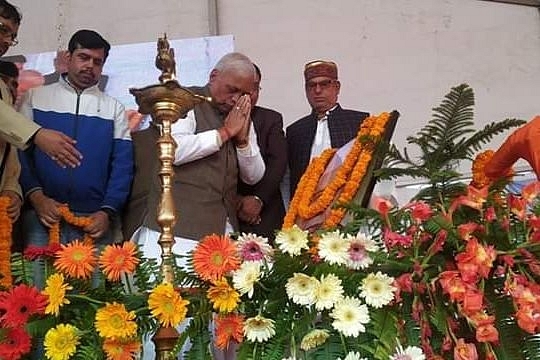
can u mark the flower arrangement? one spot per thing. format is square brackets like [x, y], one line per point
[454, 274]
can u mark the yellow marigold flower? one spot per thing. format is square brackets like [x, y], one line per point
[76, 259]
[121, 349]
[113, 321]
[117, 259]
[167, 306]
[61, 342]
[224, 297]
[55, 290]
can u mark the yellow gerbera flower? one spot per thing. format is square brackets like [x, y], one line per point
[122, 349]
[55, 290]
[113, 321]
[167, 306]
[117, 259]
[224, 297]
[61, 342]
[76, 259]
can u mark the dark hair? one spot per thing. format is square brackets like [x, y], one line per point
[9, 69]
[88, 39]
[9, 11]
[258, 71]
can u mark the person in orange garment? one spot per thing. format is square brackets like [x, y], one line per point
[523, 143]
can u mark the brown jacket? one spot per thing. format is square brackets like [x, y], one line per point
[9, 179]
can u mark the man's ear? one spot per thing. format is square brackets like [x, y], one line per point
[213, 74]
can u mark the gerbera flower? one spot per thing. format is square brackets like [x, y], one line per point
[353, 355]
[410, 353]
[254, 248]
[301, 289]
[314, 338]
[15, 342]
[223, 297]
[229, 327]
[76, 260]
[19, 303]
[61, 342]
[121, 349]
[116, 260]
[113, 321]
[245, 278]
[377, 289]
[55, 290]
[359, 246]
[214, 256]
[34, 252]
[167, 306]
[349, 316]
[259, 329]
[328, 291]
[292, 240]
[333, 248]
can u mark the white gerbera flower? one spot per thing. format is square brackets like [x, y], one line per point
[328, 292]
[301, 289]
[377, 289]
[333, 248]
[410, 353]
[245, 278]
[292, 240]
[353, 355]
[259, 329]
[314, 338]
[252, 247]
[349, 316]
[358, 252]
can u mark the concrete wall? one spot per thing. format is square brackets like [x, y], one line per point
[392, 54]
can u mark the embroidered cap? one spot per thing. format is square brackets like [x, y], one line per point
[320, 68]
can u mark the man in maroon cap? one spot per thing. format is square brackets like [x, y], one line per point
[328, 125]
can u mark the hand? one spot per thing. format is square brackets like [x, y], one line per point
[99, 225]
[15, 203]
[46, 208]
[238, 116]
[249, 210]
[58, 146]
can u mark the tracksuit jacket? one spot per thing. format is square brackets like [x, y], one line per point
[99, 125]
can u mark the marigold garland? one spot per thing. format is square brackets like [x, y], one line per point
[346, 180]
[5, 243]
[70, 218]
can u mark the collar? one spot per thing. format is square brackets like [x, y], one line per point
[63, 79]
[328, 112]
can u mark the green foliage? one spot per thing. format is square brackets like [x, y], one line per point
[447, 139]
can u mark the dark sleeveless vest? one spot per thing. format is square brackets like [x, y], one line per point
[204, 190]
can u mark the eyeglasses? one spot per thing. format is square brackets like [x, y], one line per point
[6, 33]
[323, 84]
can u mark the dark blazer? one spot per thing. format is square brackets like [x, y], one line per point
[343, 125]
[268, 125]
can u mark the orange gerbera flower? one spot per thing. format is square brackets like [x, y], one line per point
[229, 327]
[214, 256]
[121, 349]
[117, 259]
[76, 260]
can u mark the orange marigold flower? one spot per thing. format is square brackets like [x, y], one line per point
[116, 260]
[76, 260]
[215, 256]
[229, 327]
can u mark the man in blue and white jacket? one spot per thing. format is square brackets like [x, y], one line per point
[99, 187]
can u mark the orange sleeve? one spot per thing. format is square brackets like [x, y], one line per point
[523, 143]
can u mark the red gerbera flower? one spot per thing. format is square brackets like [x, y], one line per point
[14, 343]
[20, 303]
[229, 327]
[214, 256]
